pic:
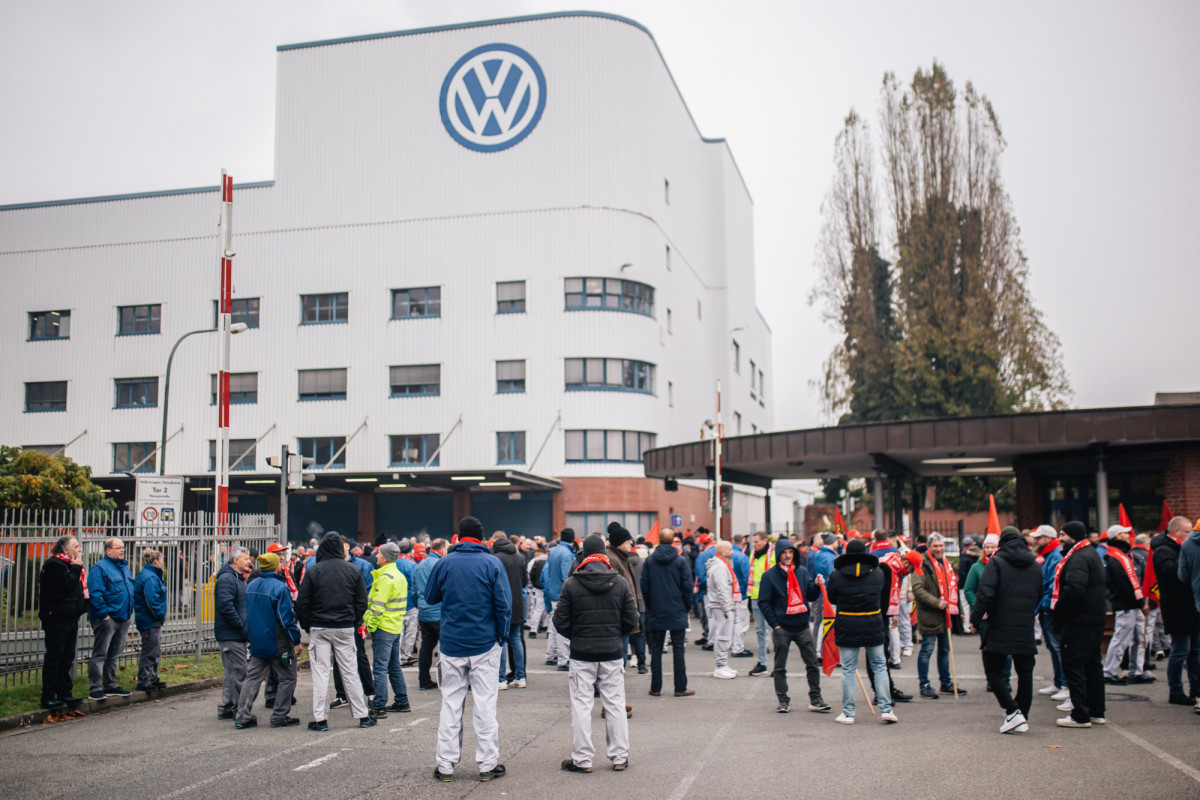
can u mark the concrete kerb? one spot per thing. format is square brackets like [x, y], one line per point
[29, 718]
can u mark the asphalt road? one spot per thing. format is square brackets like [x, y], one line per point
[726, 741]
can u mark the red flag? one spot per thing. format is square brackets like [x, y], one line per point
[829, 649]
[993, 517]
[652, 536]
[1123, 518]
[839, 523]
[1167, 516]
[1150, 580]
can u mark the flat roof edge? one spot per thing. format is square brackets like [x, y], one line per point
[109, 198]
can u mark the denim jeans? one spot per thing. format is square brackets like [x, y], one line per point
[761, 630]
[385, 652]
[1185, 648]
[943, 658]
[1050, 636]
[638, 640]
[877, 663]
[516, 650]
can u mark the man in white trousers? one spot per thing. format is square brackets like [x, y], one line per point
[595, 609]
[537, 602]
[472, 587]
[558, 567]
[723, 596]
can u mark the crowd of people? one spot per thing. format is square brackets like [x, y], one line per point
[604, 602]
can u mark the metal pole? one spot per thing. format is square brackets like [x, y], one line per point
[162, 448]
[717, 469]
[225, 245]
[1101, 496]
[880, 522]
[283, 495]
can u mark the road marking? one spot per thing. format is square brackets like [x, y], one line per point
[684, 785]
[417, 721]
[1194, 774]
[235, 770]
[316, 762]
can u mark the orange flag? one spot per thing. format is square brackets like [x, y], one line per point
[1167, 516]
[839, 523]
[652, 536]
[993, 517]
[829, 649]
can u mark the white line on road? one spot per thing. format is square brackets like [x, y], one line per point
[316, 762]
[417, 721]
[1194, 774]
[684, 785]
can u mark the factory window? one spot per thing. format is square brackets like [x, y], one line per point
[414, 449]
[637, 523]
[241, 455]
[611, 374]
[135, 456]
[137, 392]
[243, 388]
[244, 310]
[323, 384]
[134, 320]
[510, 377]
[323, 309]
[416, 303]
[321, 449]
[416, 380]
[609, 294]
[510, 297]
[510, 447]
[46, 396]
[49, 325]
[601, 445]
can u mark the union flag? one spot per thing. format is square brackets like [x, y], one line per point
[829, 649]
[839, 523]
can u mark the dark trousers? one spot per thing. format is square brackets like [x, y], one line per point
[366, 675]
[60, 655]
[994, 667]
[284, 674]
[430, 633]
[679, 667]
[1083, 669]
[782, 639]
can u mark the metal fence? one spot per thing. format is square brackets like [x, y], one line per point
[193, 550]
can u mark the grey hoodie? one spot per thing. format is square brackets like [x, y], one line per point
[720, 585]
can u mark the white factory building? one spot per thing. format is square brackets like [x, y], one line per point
[496, 261]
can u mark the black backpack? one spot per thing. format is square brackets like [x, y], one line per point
[535, 574]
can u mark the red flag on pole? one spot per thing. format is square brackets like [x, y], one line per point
[993, 517]
[652, 536]
[1167, 516]
[839, 523]
[829, 649]
[1150, 580]
[1123, 518]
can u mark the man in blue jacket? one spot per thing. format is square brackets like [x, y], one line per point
[229, 627]
[274, 644]
[110, 595]
[1047, 548]
[408, 568]
[667, 588]
[429, 615]
[700, 572]
[741, 609]
[558, 567]
[477, 605]
[150, 611]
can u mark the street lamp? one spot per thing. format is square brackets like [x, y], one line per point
[236, 327]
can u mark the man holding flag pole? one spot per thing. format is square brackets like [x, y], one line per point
[935, 587]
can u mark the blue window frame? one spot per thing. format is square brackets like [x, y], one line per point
[46, 396]
[416, 380]
[322, 384]
[609, 294]
[322, 448]
[45, 325]
[424, 301]
[137, 392]
[607, 445]
[128, 455]
[240, 310]
[243, 388]
[324, 309]
[510, 297]
[237, 448]
[510, 447]
[139, 320]
[609, 374]
[638, 523]
[414, 449]
[510, 377]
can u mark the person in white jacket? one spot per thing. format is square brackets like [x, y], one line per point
[723, 593]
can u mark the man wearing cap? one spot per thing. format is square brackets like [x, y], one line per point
[558, 567]
[935, 587]
[407, 565]
[1128, 606]
[387, 604]
[472, 587]
[596, 609]
[1078, 602]
[1049, 553]
[274, 644]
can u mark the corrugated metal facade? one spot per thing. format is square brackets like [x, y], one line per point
[371, 194]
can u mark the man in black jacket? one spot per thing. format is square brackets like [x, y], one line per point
[784, 598]
[331, 601]
[859, 588]
[1129, 610]
[1008, 597]
[60, 602]
[518, 579]
[595, 610]
[667, 588]
[1178, 612]
[1078, 601]
[230, 628]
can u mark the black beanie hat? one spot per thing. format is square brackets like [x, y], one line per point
[1076, 530]
[594, 543]
[617, 535]
[856, 546]
[469, 526]
[567, 535]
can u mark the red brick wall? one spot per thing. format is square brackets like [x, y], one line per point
[633, 494]
[1183, 484]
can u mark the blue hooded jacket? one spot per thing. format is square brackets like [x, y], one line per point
[558, 567]
[701, 569]
[426, 611]
[473, 586]
[822, 561]
[1189, 564]
[408, 568]
[667, 588]
[110, 590]
[366, 568]
[149, 598]
[269, 607]
[1050, 563]
[741, 569]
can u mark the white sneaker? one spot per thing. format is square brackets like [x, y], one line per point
[1060, 695]
[1067, 706]
[1069, 722]
[1051, 689]
[906, 652]
[1012, 722]
[842, 718]
[1099, 721]
[725, 673]
[519, 683]
[1022, 728]
[503, 685]
[889, 717]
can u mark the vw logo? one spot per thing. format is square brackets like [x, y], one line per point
[492, 97]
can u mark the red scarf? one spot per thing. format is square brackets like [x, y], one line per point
[1127, 564]
[896, 563]
[795, 597]
[1058, 573]
[1047, 550]
[470, 539]
[736, 588]
[82, 579]
[947, 583]
[287, 576]
[594, 558]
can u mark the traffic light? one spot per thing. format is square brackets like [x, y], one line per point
[296, 477]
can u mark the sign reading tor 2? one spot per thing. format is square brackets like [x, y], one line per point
[493, 97]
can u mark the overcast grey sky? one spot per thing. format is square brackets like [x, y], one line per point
[1097, 100]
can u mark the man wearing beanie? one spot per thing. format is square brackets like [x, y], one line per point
[387, 605]
[407, 566]
[1008, 595]
[558, 567]
[1078, 602]
[596, 608]
[274, 644]
[629, 566]
[472, 587]
[859, 588]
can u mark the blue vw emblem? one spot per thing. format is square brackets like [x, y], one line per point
[493, 97]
